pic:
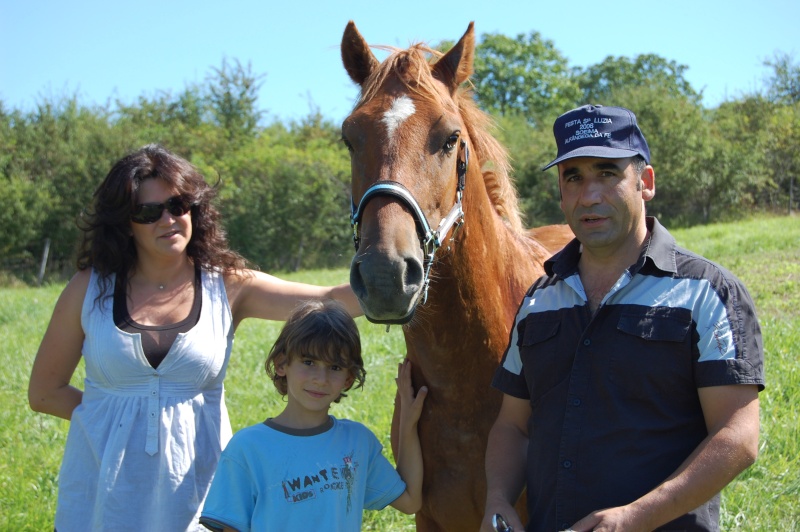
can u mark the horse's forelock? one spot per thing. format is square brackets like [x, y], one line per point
[412, 67]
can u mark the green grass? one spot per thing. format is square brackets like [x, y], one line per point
[763, 252]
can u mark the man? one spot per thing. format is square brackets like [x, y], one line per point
[632, 374]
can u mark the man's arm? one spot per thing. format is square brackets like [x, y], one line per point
[506, 460]
[731, 415]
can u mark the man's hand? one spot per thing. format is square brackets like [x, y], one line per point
[618, 519]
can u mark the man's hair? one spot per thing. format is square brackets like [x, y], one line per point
[638, 163]
[321, 330]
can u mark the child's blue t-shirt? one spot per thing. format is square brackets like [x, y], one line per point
[272, 478]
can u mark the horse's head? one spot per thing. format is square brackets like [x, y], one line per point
[409, 147]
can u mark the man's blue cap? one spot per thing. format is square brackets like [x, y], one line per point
[598, 131]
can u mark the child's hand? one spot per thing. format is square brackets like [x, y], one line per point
[410, 406]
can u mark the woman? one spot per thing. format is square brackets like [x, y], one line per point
[153, 310]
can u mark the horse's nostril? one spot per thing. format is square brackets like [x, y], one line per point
[357, 280]
[413, 276]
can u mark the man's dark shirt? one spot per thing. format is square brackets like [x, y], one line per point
[614, 400]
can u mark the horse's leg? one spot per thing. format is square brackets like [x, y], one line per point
[426, 524]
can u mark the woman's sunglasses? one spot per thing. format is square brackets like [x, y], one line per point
[148, 213]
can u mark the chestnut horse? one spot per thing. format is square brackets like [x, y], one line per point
[420, 150]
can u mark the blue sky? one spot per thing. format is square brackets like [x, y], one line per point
[107, 50]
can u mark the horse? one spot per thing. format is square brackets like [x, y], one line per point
[421, 150]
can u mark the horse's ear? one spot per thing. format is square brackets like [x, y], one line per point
[358, 59]
[455, 67]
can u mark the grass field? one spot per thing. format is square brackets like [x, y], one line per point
[763, 252]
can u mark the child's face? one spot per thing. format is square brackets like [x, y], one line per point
[313, 384]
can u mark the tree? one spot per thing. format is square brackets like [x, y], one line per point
[783, 85]
[233, 95]
[598, 82]
[779, 147]
[287, 202]
[54, 158]
[531, 148]
[525, 75]
[783, 146]
[182, 123]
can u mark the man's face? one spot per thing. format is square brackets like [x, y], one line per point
[603, 201]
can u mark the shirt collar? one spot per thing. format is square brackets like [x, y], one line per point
[660, 250]
[662, 247]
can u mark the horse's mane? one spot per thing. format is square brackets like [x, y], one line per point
[413, 68]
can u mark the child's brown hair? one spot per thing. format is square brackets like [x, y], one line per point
[320, 330]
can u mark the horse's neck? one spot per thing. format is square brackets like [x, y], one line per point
[493, 266]
[476, 288]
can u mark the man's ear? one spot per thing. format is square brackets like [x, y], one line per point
[648, 181]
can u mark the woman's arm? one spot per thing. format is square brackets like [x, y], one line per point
[49, 390]
[254, 294]
[409, 451]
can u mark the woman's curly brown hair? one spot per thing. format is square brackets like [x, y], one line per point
[107, 244]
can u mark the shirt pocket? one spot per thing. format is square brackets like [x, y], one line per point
[544, 360]
[654, 353]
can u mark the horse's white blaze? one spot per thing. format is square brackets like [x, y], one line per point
[401, 109]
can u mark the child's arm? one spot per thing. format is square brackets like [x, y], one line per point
[409, 452]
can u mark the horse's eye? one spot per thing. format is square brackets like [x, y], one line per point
[452, 140]
[347, 144]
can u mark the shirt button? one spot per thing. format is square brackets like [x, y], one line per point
[567, 464]
[587, 342]
[564, 526]
[576, 402]
[153, 392]
[152, 414]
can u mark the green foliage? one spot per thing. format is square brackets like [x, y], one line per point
[781, 140]
[599, 82]
[783, 84]
[57, 155]
[22, 217]
[291, 191]
[525, 75]
[233, 95]
[532, 149]
[182, 122]
[676, 131]
[286, 187]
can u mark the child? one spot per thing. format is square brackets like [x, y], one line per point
[305, 469]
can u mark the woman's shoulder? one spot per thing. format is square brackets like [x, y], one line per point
[82, 277]
[76, 288]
